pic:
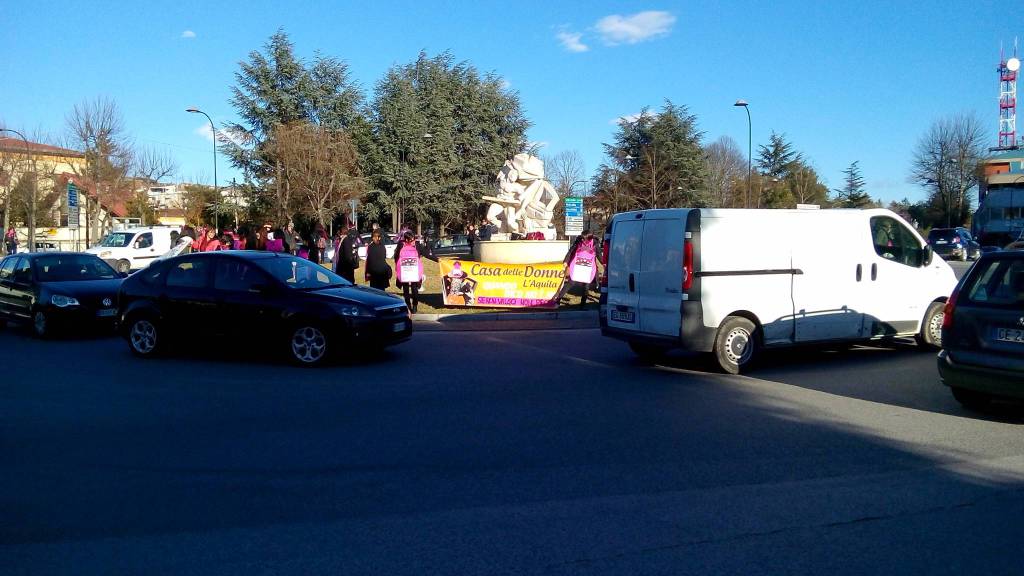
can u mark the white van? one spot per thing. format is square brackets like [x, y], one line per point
[134, 248]
[733, 282]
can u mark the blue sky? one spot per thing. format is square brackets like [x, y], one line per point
[844, 81]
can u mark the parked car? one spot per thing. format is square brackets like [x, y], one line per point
[58, 290]
[389, 245]
[293, 305]
[453, 245]
[954, 243]
[983, 332]
[693, 279]
[133, 248]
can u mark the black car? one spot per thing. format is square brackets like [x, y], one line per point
[454, 245]
[294, 305]
[983, 331]
[954, 243]
[58, 290]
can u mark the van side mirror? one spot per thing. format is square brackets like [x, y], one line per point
[926, 255]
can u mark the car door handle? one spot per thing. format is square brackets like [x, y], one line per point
[860, 270]
[632, 283]
[874, 272]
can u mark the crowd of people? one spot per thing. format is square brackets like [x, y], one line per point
[341, 253]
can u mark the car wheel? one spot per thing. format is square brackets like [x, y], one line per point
[124, 266]
[971, 399]
[41, 324]
[736, 345]
[144, 337]
[646, 352]
[930, 335]
[963, 255]
[307, 345]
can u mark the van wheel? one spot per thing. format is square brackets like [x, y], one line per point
[647, 352]
[736, 344]
[930, 335]
[123, 266]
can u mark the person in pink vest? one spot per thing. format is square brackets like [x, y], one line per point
[211, 242]
[580, 266]
[409, 256]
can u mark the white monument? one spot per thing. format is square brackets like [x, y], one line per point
[525, 201]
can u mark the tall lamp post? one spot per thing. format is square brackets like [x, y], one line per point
[750, 146]
[32, 199]
[216, 192]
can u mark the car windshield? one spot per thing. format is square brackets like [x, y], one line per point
[72, 267]
[300, 274]
[116, 240]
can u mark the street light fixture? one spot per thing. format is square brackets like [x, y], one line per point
[216, 192]
[750, 146]
[35, 185]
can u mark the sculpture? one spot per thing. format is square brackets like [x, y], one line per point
[525, 201]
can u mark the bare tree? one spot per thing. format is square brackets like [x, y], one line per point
[946, 162]
[319, 166]
[98, 127]
[565, 170]
[726, 172]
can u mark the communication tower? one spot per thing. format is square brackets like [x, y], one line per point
[1008, 99]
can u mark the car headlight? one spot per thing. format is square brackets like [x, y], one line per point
[353, 310]
[61, 301]
[105, 254]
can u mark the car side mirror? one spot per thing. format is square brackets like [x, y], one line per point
[926, 255]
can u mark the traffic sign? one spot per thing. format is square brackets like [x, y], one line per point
[573, 216]
[72, 206]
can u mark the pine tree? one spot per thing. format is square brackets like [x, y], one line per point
[778, 159]
[852, 194]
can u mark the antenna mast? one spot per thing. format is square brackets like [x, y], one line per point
[1008, 99]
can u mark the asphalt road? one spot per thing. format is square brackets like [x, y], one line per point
[499, 453]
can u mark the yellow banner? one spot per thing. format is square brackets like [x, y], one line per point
[500, 285]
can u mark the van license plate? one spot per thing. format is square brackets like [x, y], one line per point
[623, 316]
[1010, 335]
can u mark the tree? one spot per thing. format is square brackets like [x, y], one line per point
[319, 165]
[149, 166]
[440, 132]
[852, 194]
[946, 163]
[276, 88]
[726, 173]
[660, 160]
[565, 170]
[98, 127]
[778, 158]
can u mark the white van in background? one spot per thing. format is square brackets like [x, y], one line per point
[133, 248]
[733, 282]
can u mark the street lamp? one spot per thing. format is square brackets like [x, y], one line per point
[216, 193]
[32, 199]
[750, 146]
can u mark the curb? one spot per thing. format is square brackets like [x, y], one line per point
[489, 321]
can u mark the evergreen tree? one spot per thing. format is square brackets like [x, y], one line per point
[778, 159]
[275, 88]
[852, 194]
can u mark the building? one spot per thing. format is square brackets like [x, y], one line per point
[1000, 216]
[55, 168]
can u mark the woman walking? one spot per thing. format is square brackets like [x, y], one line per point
[378, 272]
[581, 266]
[409, 264]
[11, 241]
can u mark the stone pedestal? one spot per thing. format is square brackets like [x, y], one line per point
[520, 251]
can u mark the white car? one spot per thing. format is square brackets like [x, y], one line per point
[134, 248]
[389, 246]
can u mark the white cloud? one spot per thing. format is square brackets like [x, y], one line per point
[616, 29]
[505, 84]
[571, 41]
[627, 118]
[188, 34]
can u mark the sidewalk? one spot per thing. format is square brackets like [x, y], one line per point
[489, 321]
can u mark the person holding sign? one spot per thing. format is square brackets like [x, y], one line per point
[581, 266]
[409, 269]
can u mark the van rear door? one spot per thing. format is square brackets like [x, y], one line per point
[660, 282]
[623, 269]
